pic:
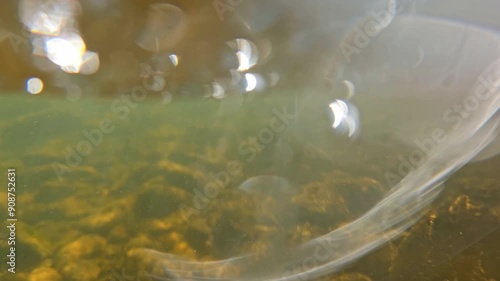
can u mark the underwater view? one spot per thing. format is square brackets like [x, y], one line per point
[250, 140]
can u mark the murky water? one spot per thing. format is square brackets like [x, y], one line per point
[182, 188]
[249, 140]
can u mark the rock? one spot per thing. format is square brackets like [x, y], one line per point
[105, 217]
[436, 246]
[83, 270]
[337, 197]
[31, 248]
[87, 246]
[45, 274]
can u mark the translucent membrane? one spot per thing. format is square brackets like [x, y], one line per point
[432, 85]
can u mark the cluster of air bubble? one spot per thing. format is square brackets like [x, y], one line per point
[166, 28]
[54, 28]
[58, 47]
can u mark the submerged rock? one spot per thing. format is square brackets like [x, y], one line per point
[45, 274]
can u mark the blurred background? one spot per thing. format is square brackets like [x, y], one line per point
[97, 219]
[104, 47]
[284, 41]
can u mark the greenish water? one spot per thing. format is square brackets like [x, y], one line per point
[97, 179]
